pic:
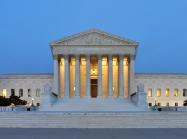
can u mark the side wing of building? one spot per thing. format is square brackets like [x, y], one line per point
[164, 89]
[27, 86]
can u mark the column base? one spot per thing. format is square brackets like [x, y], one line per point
[86, 97]
[100, 97]
[121, 97]
[109, 97]
[64, 97]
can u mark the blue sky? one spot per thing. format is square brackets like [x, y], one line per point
[28, 26]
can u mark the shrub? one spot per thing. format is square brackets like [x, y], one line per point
[185, 103]
[13, 99]
[4, 101]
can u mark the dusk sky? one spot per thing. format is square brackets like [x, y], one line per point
[28, 26]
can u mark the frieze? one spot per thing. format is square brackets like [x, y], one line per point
[58, 50]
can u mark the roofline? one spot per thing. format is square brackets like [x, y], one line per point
[17, 74]
[138, 73]
[27, 76]
[161, 73]
[53, 43]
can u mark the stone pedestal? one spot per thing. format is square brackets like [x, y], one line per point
[142, 100]
[48, 99]
[141, 97]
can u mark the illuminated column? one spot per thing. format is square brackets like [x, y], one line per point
[67, 79]
[87, 75]
[99, 76]
[77, 76]
[121, 76]
[131, 75]
[56, 76]
[110, 75]
[126, 77]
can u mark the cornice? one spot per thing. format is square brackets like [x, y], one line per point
[27, 76]
[161, 75]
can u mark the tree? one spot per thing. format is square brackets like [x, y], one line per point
[185, 103]
[4, 101]
[13, 99]
[17, 101]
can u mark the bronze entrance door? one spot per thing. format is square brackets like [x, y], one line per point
[94, 88]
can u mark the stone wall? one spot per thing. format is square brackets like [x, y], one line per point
[150, 81]
[163, 82]
[25, 82]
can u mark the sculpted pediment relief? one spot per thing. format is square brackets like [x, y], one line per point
[94, 37]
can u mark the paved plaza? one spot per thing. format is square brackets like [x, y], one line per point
[34, 133]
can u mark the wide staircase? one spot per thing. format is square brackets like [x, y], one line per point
[93, 119]
[92, 104]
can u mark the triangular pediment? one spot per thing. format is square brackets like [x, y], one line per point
[94, 37]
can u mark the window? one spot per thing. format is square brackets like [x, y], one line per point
[176, 92]
[4, 93]
[176, 104]
[167, 92]
[150, 104]
[29, 92]
[184, 92]
[37, 104]
[20, 92]
[167, 104]
[150, 92]
[37, 92]
[12, 92]
[158, 104]
[158, 93]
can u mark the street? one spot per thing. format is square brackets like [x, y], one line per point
[56, 133]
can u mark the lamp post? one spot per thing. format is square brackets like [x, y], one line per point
[155, 101]
[155, 104]
[32, 104]
[12, 106]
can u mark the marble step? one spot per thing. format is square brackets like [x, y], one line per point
[10, 114]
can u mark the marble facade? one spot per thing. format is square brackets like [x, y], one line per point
[94, 70]
[94, 56]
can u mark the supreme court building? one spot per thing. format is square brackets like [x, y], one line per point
[94, 71]
[94, 64]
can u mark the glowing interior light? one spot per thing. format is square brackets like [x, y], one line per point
[62, 61]
[83, 62]
[104, 63]
[93, 71]
[4, 92]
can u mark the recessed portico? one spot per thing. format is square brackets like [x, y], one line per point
[92, 77]
[93, 64]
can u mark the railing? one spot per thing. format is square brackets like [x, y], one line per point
[168, 108]
[18, 108]
[7, 109]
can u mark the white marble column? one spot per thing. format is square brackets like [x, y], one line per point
[121, 76]
[77, 75]
[110, 75]
[99, 89]
[56, 76]
[67, 76]
[131, 75]
[88, 75]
